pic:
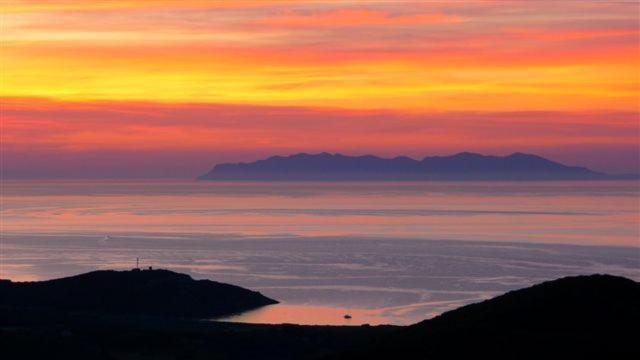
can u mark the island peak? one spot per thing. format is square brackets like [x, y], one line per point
[460, 166]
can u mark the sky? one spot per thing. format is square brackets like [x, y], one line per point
[167, 88]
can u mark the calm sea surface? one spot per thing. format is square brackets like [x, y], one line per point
[383, 252]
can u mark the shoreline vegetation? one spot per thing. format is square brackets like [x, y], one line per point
[572, 316]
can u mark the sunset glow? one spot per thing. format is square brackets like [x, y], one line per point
[306, 179]
[234, 80]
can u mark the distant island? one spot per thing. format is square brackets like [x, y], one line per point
[461, 166]
[134, 292]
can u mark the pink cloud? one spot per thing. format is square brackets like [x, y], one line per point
[119, 130]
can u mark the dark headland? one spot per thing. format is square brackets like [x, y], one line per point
[593, 316]
[462, 166]
[589, 317]
[134, 292]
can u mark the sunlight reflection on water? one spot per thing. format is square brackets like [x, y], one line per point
[383, 252]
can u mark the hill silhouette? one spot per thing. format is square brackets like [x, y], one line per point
[462, 166]
[593, 316]
[138, 292]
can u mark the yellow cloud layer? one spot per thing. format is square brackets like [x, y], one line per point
[469, 56]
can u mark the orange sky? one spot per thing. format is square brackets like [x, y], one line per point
[234, 80]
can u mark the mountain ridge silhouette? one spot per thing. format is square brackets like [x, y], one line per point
[460, 166]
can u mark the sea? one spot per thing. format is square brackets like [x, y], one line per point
[380, 252]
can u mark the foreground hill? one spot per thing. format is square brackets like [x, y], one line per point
[462, 166]
[139, 292]
[578, 317]
[595, 316]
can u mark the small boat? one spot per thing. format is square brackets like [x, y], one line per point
[347, 316]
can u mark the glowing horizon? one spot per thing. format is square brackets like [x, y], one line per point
[236, 80]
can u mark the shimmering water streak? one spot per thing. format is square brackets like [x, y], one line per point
[383, 252]
[597, 212]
